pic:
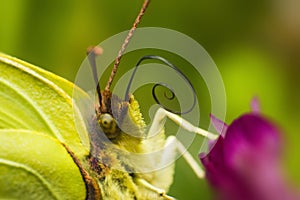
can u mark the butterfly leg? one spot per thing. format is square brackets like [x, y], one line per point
[151, 187]
[159, 122]
[173, 145]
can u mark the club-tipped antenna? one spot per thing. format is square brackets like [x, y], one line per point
[92, 52]
[125, 44]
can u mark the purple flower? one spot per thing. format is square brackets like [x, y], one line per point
[243, 163]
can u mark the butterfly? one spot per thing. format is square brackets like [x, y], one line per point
[48, 151]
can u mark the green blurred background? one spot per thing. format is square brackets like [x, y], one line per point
[255, 44]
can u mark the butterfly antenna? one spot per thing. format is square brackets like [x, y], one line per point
[92, 52]
[125, 44]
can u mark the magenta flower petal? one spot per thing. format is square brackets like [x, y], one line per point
[255, 107]
[243, 163]
[251, 134]
[220, 126]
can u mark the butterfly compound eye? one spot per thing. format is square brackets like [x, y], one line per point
[108, 125]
